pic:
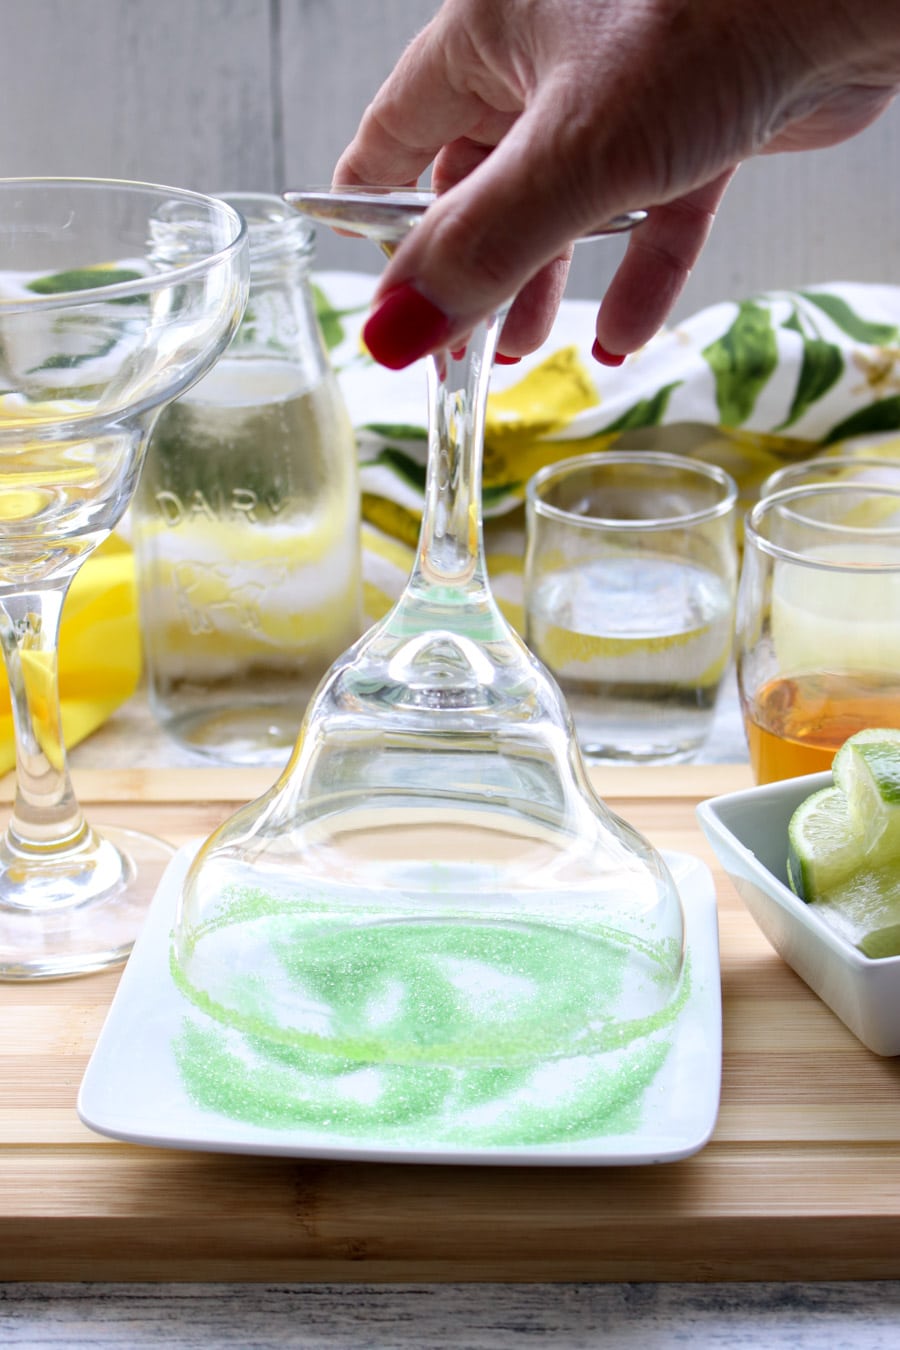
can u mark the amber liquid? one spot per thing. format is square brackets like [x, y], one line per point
[795, 726]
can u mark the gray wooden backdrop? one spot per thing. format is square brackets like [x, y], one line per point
[225, 95]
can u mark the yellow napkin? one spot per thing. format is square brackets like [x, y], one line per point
[99, 648]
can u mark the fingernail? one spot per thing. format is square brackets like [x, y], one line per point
[404, 327]
[458, 353]
[604, 357]
[501, 360]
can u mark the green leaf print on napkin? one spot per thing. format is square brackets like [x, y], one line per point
[647, 412]
[881, 416]
[392, 457]
[396, 431]
[330, 318]
[742, 361]
[86, 279]
[72, 362]
[821, 368]
[849, 322]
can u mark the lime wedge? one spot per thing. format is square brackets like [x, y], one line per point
[844, 844]
[865, 910]
[867, 771]
[823, 848]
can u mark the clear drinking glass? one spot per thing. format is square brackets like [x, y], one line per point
[630, 578]
[817, 627]
[246, 519]
[94, 339]
[883, 472]
[432, 884]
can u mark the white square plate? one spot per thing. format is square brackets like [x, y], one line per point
[665, 1087]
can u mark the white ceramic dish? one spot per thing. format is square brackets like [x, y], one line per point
[748, 831]
[133, 1088]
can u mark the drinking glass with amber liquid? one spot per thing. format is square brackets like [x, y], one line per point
[817, 628]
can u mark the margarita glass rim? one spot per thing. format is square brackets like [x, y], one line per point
[138, 285]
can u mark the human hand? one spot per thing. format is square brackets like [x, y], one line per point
[543, 118]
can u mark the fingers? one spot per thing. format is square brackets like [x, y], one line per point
[543, 117]
[524, 163]
[470, 255]
[393, 147]
[523, 166]
[657, 263]
[504, 230]
[530, 319]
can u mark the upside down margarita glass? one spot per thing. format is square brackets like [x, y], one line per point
[432, 883]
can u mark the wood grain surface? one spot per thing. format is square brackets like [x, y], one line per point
[801, 1180]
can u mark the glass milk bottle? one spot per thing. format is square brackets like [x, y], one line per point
[246, 520]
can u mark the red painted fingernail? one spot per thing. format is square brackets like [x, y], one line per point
[501, 360]
[404, 327]
[604, 357]
[458, 353]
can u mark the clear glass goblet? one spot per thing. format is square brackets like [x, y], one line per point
[432, 882]
[96, 335]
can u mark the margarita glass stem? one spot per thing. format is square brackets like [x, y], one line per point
[46, 816]
[450, 556]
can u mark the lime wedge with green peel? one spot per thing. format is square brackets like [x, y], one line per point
[865, 909]
[823, 848]
[844, 844]
[867, 771]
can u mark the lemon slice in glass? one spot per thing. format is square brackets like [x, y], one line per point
[828, 611]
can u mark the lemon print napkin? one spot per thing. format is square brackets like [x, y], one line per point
[748, 384]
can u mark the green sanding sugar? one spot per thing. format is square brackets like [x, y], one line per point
[567, 1100]
[453, 1032]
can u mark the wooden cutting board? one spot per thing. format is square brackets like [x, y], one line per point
[800, 1181]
